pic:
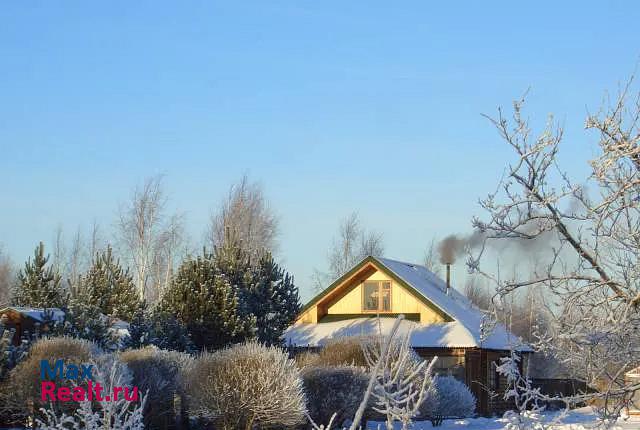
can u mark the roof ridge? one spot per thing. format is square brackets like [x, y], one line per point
[403, 262]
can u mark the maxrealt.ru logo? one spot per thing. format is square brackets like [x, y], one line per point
[79, 373]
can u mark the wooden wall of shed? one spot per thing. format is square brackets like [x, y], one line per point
[484, 382]
[16, 321]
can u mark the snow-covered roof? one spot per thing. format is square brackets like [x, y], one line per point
[38, 314]
[464, 331]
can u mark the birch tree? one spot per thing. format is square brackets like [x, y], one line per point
[139, 225]
[245, 217]
[591, 240]
[149, 238]
[432, 257]
[352, 244]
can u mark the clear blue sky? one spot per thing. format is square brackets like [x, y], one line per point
[333, 106]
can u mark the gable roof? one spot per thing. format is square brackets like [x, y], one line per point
[463, 328]
[387, 266]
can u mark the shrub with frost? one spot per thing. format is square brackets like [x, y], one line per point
[454, 400]
[345, 351]
[334, 390]
[22, 387]
[157, 372]
[306, 359]
[120, 414]
[245, 386]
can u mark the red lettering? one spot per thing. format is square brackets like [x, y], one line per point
[78, 394]
[47, 388]
[134, 397]
[116, 391]
[64, 394]
[98, 389]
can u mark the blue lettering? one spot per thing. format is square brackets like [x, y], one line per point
[46, 372]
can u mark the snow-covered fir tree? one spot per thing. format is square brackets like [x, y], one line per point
[38, 285]
[109, 287]
[84, 318]
[140, 329]
[272, 298]
[205, 300]
[159, 328]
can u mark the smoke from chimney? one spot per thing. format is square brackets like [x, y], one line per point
[453, 246]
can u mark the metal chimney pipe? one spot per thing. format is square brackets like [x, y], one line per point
[448, 277]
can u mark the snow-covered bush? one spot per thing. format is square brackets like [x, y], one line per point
[334, 390]
[306, 359]
[244, 386]
[345, 351]
[453, 400]
[157, 372]
[22, 387]
[120, 414]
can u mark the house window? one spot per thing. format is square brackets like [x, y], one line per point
[376, 296]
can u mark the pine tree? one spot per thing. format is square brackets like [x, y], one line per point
[84, 319]
[273, 299]
[158, 328]
[140, 329]
[109, 287]
[204, 299]
[38, 285]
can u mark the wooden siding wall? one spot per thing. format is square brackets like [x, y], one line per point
[488, 385]
[350, 302]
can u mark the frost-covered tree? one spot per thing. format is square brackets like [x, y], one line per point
[38, 285]
[352, 244]
[432, 257]
[109, 287]
[149, 239]
[591, 279]
[140, 224]
[245, 218]
[528, 401]
[272, 298]
[203, 299]
[403, 381]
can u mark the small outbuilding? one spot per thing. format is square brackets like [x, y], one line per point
[26, 320]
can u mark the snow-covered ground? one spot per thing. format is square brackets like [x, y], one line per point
[578, 419]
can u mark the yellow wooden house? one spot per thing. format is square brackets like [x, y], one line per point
[441, 320]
